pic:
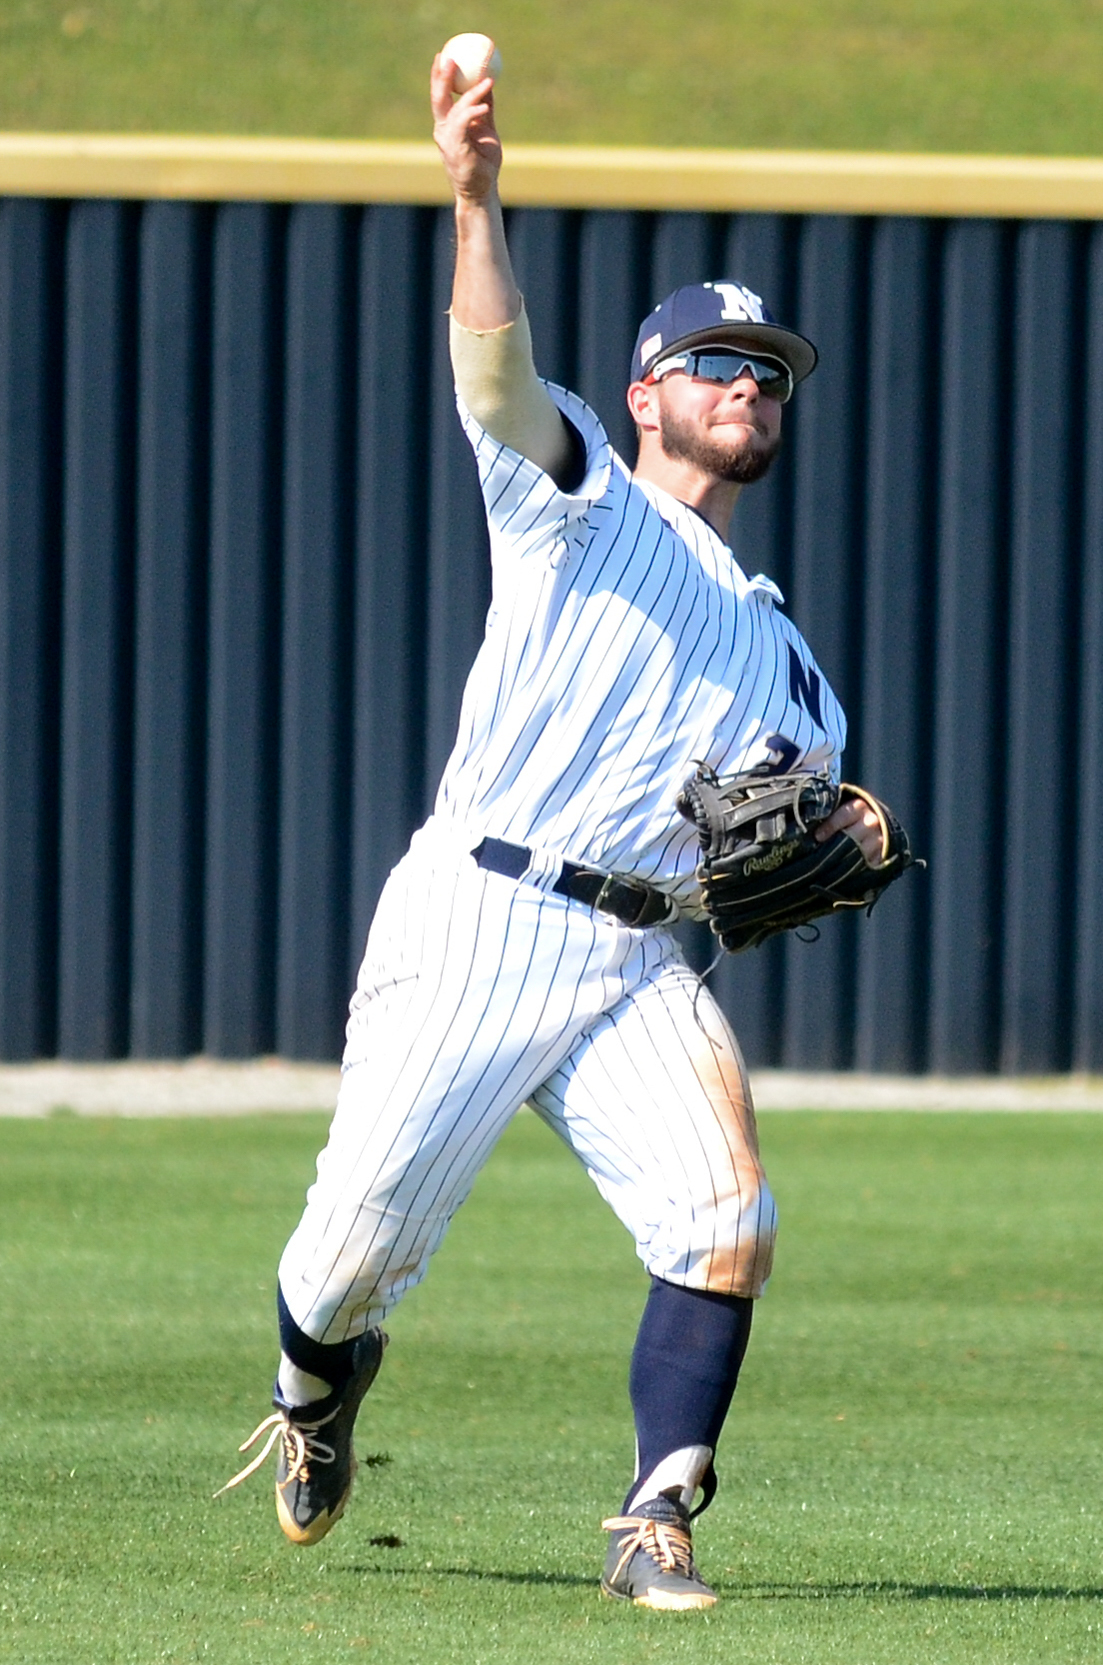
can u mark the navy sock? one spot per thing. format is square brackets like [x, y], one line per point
[685, 1366]
[333, 1363]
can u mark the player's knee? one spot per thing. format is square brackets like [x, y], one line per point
[740, 1256]
[728, 1246]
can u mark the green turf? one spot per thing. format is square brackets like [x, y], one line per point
[970, 75]
[913, 1470]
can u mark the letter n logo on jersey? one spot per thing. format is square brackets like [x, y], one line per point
[804, 686]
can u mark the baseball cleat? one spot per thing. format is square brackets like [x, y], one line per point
[650, 1560]
[315, 1463]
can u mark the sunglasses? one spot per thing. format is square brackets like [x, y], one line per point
[724, 365]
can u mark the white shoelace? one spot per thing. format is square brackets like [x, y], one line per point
[668, 1541]
[303, 1447]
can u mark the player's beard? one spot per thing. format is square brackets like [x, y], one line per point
[743, 461]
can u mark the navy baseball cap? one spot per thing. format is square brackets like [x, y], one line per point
[722, 311]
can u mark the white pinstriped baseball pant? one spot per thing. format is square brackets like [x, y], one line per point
[479, 993]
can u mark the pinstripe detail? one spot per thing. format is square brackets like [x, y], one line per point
[623, 642]
[659, 1091]
[527, 997]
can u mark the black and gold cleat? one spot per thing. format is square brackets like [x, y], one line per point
[316, 1464]
[650, 1560]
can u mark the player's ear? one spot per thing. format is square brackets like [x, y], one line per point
[643, 403]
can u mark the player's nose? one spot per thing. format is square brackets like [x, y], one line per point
[744, 390]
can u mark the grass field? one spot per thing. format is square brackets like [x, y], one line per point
[912, 1472]
[964, 75]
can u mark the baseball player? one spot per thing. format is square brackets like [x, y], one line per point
[522, 951]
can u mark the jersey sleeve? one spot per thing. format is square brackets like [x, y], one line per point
[527, 513]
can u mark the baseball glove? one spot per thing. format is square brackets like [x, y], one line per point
[761, 870]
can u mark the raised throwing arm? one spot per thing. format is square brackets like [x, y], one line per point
[489, 335]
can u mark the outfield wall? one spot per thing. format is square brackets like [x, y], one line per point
[243, 569]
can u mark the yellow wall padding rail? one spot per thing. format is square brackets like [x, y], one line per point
[563, 176]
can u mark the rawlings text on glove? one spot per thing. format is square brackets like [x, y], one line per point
[761, 870]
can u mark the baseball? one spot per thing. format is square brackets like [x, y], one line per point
[475, 56]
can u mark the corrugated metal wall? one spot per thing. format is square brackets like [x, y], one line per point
[243, 572]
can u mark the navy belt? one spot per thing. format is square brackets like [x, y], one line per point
[630, 900]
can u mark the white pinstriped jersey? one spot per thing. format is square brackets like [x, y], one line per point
[623, 644]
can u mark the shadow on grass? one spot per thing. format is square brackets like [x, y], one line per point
[482, 1575]
[912, 1592]
[762, 1592]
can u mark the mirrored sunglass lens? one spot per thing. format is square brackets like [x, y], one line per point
[773, 379]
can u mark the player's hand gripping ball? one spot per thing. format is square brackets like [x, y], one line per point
[475, 57]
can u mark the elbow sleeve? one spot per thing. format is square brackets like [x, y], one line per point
[497, 381]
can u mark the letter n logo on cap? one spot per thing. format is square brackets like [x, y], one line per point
[738, 302]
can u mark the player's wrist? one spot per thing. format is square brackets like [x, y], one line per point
[475, 201]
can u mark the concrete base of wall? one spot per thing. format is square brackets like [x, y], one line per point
[205, 1087]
